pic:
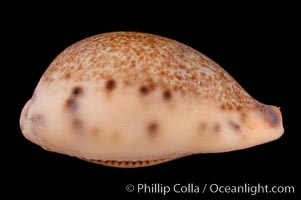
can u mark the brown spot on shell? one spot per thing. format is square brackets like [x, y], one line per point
[144, 90]
[110, 85]
[216, 127]
[167, 95]
[202, 126]
[95, 131]
[116, 135]
[71, 104]
[235, 126]
[153, 128]
[77, 91]
[272, 115]
[77, 124]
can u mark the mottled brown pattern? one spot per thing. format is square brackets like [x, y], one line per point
[138, 58]
[67, 75]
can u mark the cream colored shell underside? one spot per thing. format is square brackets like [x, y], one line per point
[115, 125]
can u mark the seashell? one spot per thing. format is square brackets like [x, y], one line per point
[127, 99]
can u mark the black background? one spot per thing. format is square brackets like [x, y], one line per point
[255, 44]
